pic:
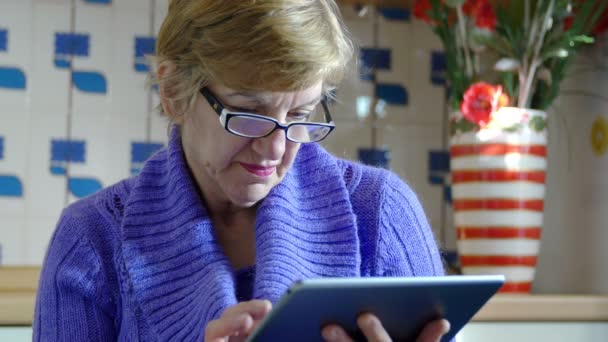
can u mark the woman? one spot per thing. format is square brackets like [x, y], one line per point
[242, 203]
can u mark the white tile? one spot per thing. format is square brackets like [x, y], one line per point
[160, 12]
[427, 101]
[423, 37]
[38, 231]
[12, 240]
[46, 192]
[13, 164]
[159, 128]
[96, 22]
[125, 5]
[395, 35]
[15, 17]
[347, 138]
[49, 85]
[345, 107]
[129, 91]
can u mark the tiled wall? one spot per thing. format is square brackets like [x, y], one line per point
[76, 116]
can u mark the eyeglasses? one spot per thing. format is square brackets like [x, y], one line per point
[257, 126]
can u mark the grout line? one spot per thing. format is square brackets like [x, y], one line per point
[70, 112]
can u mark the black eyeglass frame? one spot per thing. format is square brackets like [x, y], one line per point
[225, 115]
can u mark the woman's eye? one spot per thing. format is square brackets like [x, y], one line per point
[301, 116]
[246, 110]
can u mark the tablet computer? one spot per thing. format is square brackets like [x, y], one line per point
[403, 305]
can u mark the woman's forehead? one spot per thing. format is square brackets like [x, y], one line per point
[305, 96]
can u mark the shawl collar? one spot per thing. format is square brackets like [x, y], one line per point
[180, 279]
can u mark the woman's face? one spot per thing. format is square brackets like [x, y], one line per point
[237, 171]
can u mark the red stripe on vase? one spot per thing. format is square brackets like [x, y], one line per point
[497, 260]
[497, 176]
[498, 233]
[497, 150]
[516, 287]
[498, 204]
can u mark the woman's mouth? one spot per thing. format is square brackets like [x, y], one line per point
[261, 171]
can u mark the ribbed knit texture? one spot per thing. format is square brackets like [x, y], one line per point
[138, 261]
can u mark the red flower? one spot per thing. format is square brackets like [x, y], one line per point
[469, 6]
[600, 26]
[485, 16]
[421, 9]
[482, 11]
[481, 100]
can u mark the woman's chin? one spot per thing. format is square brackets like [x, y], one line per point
[249, 196]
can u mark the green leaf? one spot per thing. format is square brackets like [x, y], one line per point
[514, 128]
[453, 128]
[538, 123]
[467, 126]
[557, 53]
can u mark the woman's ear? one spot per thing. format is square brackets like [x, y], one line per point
[171, 108]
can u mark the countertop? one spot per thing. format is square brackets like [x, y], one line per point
[18, 295]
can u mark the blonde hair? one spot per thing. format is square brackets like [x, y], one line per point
[256, 45]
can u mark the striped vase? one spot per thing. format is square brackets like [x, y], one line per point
[498, 187]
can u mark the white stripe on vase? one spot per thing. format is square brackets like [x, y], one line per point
[503, 190]
[510, 161]
[512, 273]
[510, 247]
[491, 218]
[494, 137]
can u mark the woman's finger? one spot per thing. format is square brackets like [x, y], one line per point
[433, 331]
[335, 333]
[372, 328]
[218, 330]
[256, 308]
[239, 319]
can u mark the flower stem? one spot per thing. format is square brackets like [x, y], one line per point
[524, 94]
[465, 46]
[527, 16]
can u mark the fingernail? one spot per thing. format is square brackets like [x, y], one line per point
[330, 334]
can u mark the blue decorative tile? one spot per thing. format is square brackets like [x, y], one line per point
[10, 186]
[439, 171]
[12, 78]
[438, 68]
[400, 14]
[375, 157]
[439, 161]
[90, 82]
[380, 59]
[62, 63]
[394, 94]
[143, 46]
[75, 44]
[105, 2]
[68, 151]
[58, 168]
[447, 194]
[3, 40]
[82, 187]
[140, 152]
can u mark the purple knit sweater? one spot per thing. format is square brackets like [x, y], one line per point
[138, 261]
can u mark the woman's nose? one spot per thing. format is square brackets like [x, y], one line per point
[271, 147]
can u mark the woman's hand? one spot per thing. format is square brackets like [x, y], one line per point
[373, 330]
[237, 322]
